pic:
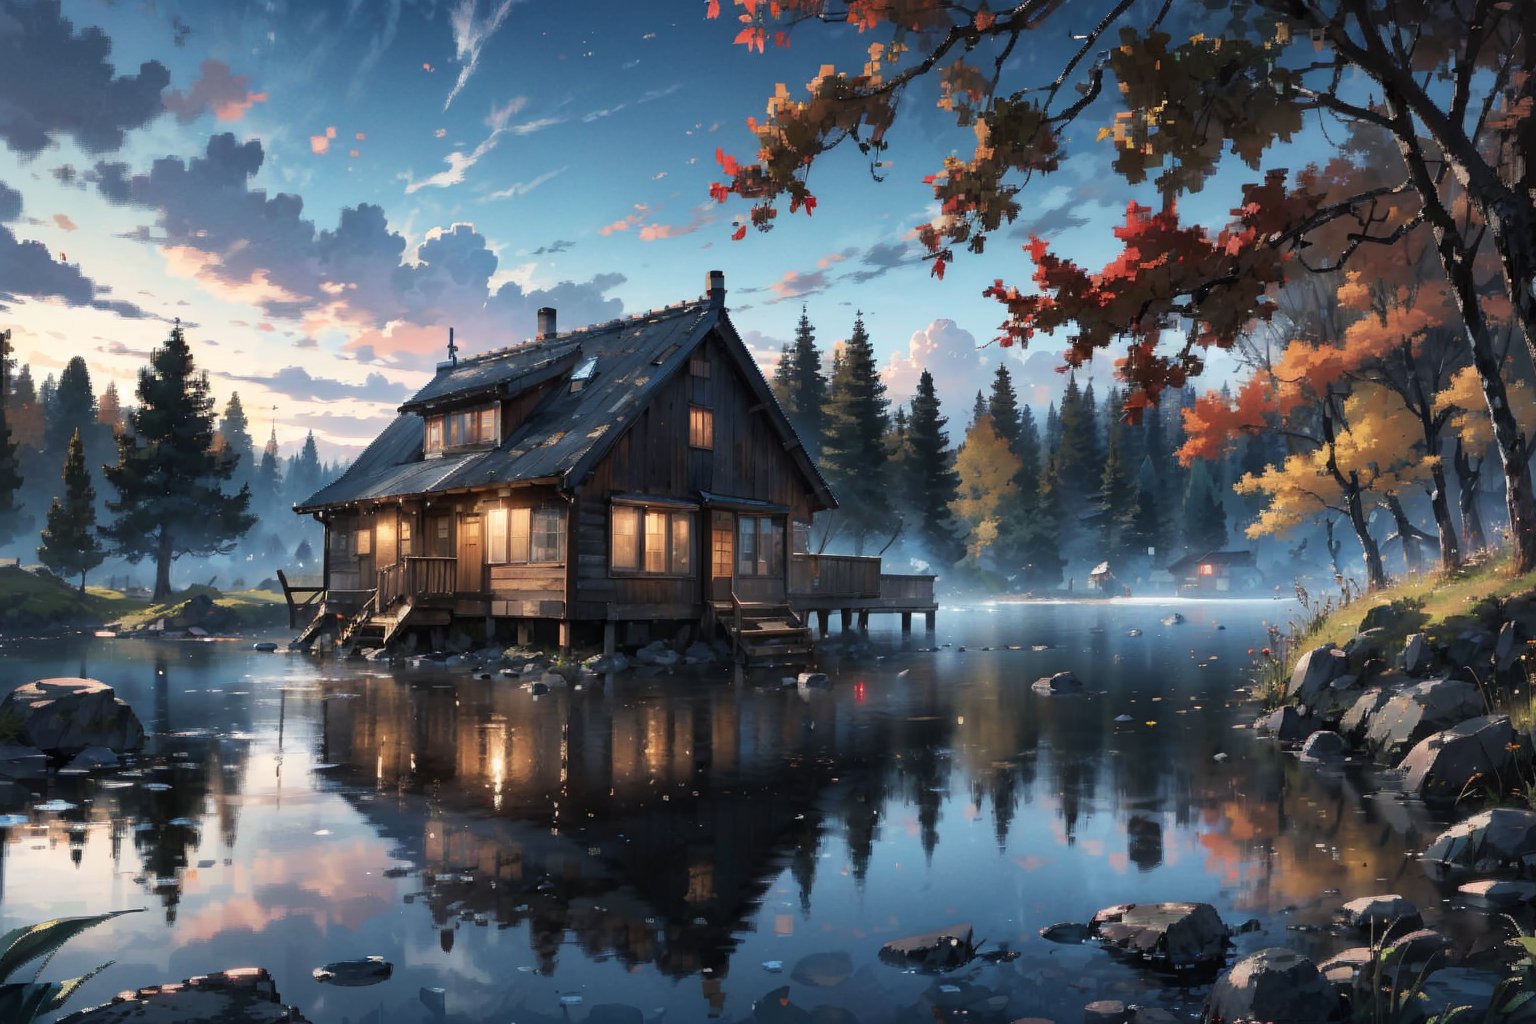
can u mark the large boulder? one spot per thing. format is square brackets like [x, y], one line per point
[1314, 671]
[1058, 685]
[1288, 724]
[1352, 725]
[1498, 839]
[1277, 986]
[1446, 765]
[941, 950]
[1424, 708]
[1506, 648]
[1324, 746]
[64, 716]
[1177, 935]
[1499, 893]
[246, 995]
[1417, 656]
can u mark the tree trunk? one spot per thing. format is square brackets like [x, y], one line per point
[1472, 536]
[1519, 259]
[1440, 505]
[163, 566]
[82, 583]
[1375, 573]
[1333, 547]
[1413, 559]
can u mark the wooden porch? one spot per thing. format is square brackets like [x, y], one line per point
[855, 587]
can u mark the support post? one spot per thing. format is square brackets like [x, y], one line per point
[823, 621]
[609, 636]
[864, 620]
[847, 615]
[565, 636]
[524, 632]
[906, 623]
[928, 620]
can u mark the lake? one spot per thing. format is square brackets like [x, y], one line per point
[683, 842]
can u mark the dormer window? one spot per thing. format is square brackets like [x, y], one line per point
[466, 428]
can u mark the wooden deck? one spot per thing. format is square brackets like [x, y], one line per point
[855, 587]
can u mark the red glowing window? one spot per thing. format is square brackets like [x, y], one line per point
[1207, 569]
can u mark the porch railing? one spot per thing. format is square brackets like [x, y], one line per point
[840, 575]
[417, 576]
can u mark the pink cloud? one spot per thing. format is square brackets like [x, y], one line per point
[216, 91]
[321, 144]
[63, 221]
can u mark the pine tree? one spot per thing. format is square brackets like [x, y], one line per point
[1144, 531]
[168, 476]
[306, 476]
[803, 390]
[235, 431]
[1077, 467]
[1004, 407]
[1028, 451]
[979, 410]
[1205, 518]
[73, 409]
[13, 520]
[26, 414]
[936, 484]
[70, 545]
[109, 409]
[1052, 435]
[1116, 489]
[269, 475]
[853, 450]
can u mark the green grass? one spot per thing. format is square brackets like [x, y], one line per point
[248, 609]
[31, 600]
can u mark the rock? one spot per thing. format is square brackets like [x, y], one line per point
[941, 950]
[265, 645]
[552, 680]
[1380, 916]
[66, 715]
[699, 653]
[1324, 745]
[1059, 684]
[1274, 985]
[1462, 994]
[823, 970]
[1287, 724]
[1495, 840]
[1415, 952]
[1180, 935]
[1067, 932]
[657, 653]
[434, 999]
[1314, 671]
[1352, 726]
[1383, 617]
[813, 681]
[1446, 765]
[1417, 657]
[92, 758]
[355, 973]
[1424, 708]
[22, 762]
[1364, 646]
[602, 664]
[1506, 649]
[775, 1008]
[1499, 893]
[1342, 969]
[1106, 1011]
[537, 689]
[1172, 620]
[245, 994]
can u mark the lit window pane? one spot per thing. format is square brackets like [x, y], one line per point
[682, 547]
[517, 530]
[496, 536]
[746, 546]
[655, 542]
[701, 427]
[548, 535]
[626, 538]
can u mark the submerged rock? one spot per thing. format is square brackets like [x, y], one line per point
[355, 973]
[246, 994]
[1381, 915]
[1498, 839]
[66, 715]
[1274, 985]
[1179, 935]
[941, 950]
[1324, 745]
[1468, 994]
[823, 970]
[1499, 893]
[1288, 725]
[1069, 933]
[1059, 684]
[1446, 765]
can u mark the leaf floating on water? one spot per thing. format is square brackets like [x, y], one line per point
[55, 806]
[1124, 718]
[157, 787]
[773, 966]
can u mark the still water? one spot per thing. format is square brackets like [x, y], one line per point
[680, 843]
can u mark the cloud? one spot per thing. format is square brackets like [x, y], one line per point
[10, 204]
[297, 382]
[1051, 222]
[627, 222]
[28, 269]
[63, 221]
[216, 91]
[796, 284]
[321, 144]
[559, 245]
[950, 353]
[522, 188]
[882, 258]
[57, 82]
[470, 34]
[703, 215]
[500, 124]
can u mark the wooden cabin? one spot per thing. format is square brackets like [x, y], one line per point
[1215, 572]
[627, 478]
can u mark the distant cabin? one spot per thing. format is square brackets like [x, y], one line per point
[627, 478]
[1216, 572]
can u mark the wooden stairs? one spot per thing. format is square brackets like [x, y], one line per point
[764, 634]
[371, 627]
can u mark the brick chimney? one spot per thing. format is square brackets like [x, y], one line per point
[716, 287]
[546, 323]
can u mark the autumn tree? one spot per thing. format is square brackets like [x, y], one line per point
[1445, 88]
[70, 546]
[109, 408]
[986, 470]
[853, 451]
[1467, 419]
[168, 475]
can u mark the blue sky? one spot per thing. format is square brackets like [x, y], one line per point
[322, 188]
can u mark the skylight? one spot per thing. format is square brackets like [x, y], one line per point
[585, 371]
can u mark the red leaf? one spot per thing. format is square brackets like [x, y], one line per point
[727, 162]
[938, 269]
[713, 11]
[739, 233]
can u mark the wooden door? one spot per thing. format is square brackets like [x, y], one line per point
[722, 555]
[471, 556]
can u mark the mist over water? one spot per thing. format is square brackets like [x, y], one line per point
[657, 840]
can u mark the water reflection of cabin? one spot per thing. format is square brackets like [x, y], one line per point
[636, 475]
[1215, 572]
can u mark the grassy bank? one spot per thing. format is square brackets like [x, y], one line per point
[38, 601]
[240, 611]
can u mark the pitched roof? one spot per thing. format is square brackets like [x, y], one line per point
[1233, 559]
[567, 432]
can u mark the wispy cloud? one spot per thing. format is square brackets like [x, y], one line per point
[500, 123]
[522, 188]
[470, 34]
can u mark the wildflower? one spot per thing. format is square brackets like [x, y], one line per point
[1266, 652]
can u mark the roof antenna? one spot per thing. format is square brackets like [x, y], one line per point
[453, 350]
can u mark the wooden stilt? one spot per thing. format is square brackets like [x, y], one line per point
[906, 623]
[847, 614]
[823, 620]
[928, 620]
[864, 620]
[524, 632]
[565, 637]
[610, 631]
